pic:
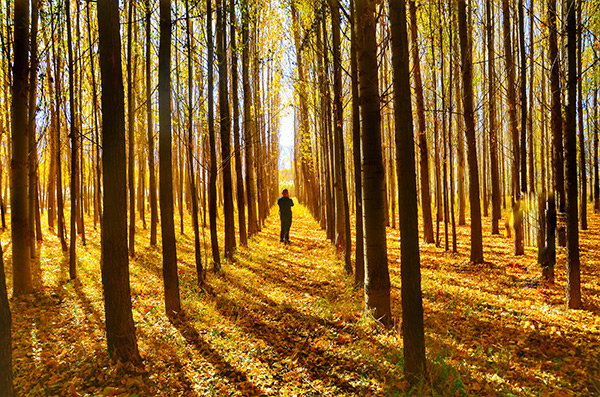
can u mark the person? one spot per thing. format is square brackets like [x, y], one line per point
[285, 204]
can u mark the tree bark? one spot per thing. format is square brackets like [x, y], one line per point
[236, 129]
[412, 302]
[120, 328]
[31, 129]
[151, 171]
[377, 279]
[171, 280]
[225, 125]
[421, 129]
[573, 262]
[467, 80]
[131, 128]
[22, 283]
[582, 164]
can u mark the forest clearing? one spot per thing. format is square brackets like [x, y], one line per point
[286, 320]
[443, 162]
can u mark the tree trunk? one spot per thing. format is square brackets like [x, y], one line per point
[573, 263]
[582, 164]
[236, 128]
[467, 80]
[51, 194]
[31, 128]
[212, 184]
[377, 279]
[248, 122]
[496, 210]
[131, 128]
[523, 129]
[120, 328]
[20, 149]
[412, 302]
[151, 171]
[596, 168]
[171, 280]
[225, 125]
[359, 264]
[421, 131]
[342, 207]
[74, 135]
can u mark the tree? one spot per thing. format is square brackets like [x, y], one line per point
[467, 82]
[225, 124]
[377, 278]
[248, 121]
[19, 213]
[573, 263]
[343, 239]
[31, 130]
[131, 127]
[421, 131]
[212, 183]
[236, 129]
[359, 264]
[151, 172]
[496, 210]
[171, 280]
[120, 328]
[412, 302]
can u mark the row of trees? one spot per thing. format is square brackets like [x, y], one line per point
[524, 119]
[109, 127]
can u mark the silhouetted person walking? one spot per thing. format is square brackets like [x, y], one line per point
[285, 204]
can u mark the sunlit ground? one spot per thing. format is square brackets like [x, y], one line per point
[285, 321]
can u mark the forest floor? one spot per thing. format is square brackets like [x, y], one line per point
[286, 320]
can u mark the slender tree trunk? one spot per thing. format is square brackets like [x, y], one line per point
[496, 210]
[151, 171]
[596, 168]
[377, 279]
[467, 80]
[236, 128]
[523, 129]
[22, 283]
[74, 135]
[343, 210]
[582, 164]
[171, 280]
[451, 154]
[6, 384]
[131, 128]
[248, 122]
[52, 167]
[212, 184]
[359, 265]
[412, 302]
[31, 127]
[120, 328]
[530, 140]
[190, 151]
[421, 129]
[573, 263]
[225, 125]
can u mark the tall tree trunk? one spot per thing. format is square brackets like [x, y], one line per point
[412, 302]
[151, 171]
[20, 149]
[496, 210]
[421, 129]
[582, 164]
[467, 80]
[120, 328]
[225, 125]
[236, 128]
[74, 135]
[573, 263]
[212, 184]
[453, 51]
[359, 264]
[58, 95]
[31, 128]
[248, 122]
[523, 129]
[514, 130]
[131, 128]
[190, 151]
[342, 207]
[377, 279]
[530, 140]
[171, 280]
[51, 213]
[6, 384]
[596, 168]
